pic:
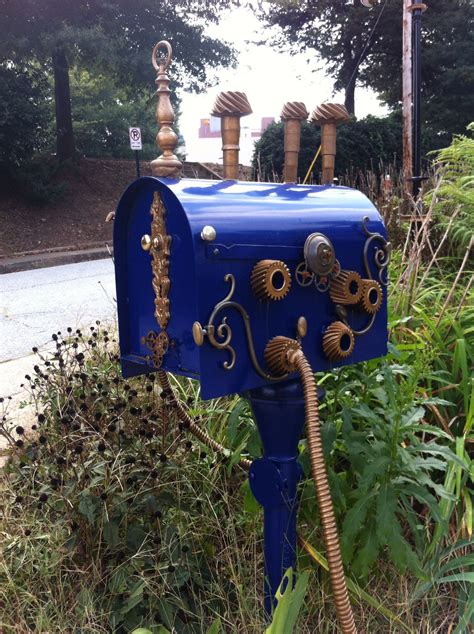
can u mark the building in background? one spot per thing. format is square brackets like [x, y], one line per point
[206, 145]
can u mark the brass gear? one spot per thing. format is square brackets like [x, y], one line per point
[338, 341]
[264, 276]
[277, 354]
[372, 296]
[346, 288]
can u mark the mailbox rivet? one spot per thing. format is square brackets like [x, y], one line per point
[208, 233]
[198, 333]
[146, 242]
[302, 327]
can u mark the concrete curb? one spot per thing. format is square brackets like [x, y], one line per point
[43, 260]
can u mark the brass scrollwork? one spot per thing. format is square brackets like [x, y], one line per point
[220, 337]
[381, 255]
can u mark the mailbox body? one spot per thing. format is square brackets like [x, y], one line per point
[253, 222]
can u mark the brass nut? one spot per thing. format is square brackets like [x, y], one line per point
[346, 288]
[372, 296]
[278, 354]
[338, 341]
[270, 280]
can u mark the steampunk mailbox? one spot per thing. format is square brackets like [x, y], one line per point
[250, 287]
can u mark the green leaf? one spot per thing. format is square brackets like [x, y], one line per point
[385, 513]
[289, 603]
[353, 523]
[89, 506]
[111, 534]
[215, 628]
[135, 537]
[467, 577]
[250, 503]
[367, 552]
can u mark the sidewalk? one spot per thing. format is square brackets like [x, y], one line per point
[37, 303]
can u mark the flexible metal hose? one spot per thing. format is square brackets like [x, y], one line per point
[318, 468]
[190, 424]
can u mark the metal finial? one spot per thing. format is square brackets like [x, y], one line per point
[167, 164]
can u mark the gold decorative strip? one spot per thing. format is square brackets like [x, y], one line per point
[160, 253]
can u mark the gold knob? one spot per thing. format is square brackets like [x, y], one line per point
[146, 242]
[198, 333]
[302, 327]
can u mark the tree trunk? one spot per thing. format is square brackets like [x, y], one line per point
[65, 146]
[349, 99]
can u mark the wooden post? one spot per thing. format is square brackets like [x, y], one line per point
[230, 107]
[328, 116]
[293, 113]
[407, 98]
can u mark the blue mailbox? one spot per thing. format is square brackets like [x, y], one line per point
[250, 288]
[209, 272]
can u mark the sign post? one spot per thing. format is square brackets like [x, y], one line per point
[135, 135]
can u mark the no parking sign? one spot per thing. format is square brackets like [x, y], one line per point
[135, 135]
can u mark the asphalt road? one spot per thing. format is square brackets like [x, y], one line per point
[34, 304]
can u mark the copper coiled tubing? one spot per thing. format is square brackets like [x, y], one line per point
[282, 352]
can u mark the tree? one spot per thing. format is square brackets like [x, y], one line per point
[364, 47]
[23, 117]
[111, 36]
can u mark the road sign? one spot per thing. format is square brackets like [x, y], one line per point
[135, 135]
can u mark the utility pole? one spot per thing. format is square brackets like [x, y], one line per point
[417, 8]
[407, 98]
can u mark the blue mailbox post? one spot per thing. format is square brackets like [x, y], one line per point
[240, 284]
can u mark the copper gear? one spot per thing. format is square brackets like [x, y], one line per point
[263, 280]
[371, 297]
[346, 288]
[278, 354]
[338, 341]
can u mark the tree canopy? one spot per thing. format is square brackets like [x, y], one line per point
[364, 47]
[110, 37]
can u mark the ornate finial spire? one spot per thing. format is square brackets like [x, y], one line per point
[230, 107]
[293, 113]
[167, 164]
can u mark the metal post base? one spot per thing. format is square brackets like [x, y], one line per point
[280, 414]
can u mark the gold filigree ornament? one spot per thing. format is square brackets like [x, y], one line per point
[158, 344]
[159, 249]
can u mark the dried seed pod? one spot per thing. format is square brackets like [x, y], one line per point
[270, 280]
[338, 341]
[346, 288]
[371, 297]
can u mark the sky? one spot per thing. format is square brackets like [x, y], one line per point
[269, 79]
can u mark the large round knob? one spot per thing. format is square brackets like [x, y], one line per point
[319, 254]
[270, 279]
